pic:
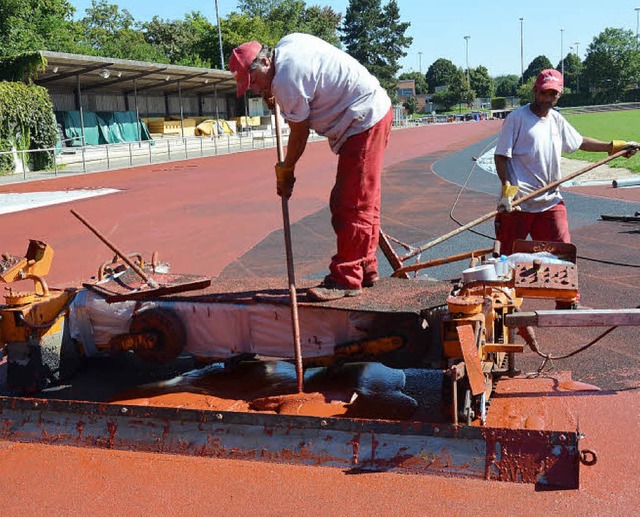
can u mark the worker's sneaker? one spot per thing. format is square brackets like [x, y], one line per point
[325, 294]
[370, 279]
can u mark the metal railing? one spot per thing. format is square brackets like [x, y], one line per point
[600, 108]
[95, 158]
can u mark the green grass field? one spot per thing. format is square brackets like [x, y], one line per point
[614, 125]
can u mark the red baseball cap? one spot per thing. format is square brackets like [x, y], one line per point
[239, 63]
[549, 79]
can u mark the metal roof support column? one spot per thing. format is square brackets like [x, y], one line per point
[181, 110]
[246, 112]
[135, 98]
[215, 93]
[79, 103]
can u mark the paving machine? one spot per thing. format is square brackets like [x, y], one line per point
[459, 334]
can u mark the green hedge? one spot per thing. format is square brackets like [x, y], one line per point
[26, 110]
[569, 100]
[498, 103]
[632, 95]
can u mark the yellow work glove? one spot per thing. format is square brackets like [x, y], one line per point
[284, 180]
[508, 193]
[621, 145]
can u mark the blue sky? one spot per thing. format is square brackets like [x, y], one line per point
[439, 28]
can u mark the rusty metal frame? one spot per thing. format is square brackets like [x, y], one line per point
[548, 458]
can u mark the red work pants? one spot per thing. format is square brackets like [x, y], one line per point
[355, 204]
[550, 225]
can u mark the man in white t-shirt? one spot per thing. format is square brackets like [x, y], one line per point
[320, 87]
[527, 156]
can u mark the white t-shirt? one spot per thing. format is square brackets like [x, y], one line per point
[534, 146]
[317, 81]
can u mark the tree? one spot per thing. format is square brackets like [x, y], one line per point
[238, 28]
[536, 66]
[111, 32]
[506, 85]
[481, 82]
[440, 73]
[376, 38]
[32, 25]
[204, 46]
[258, 8]
[420, 81]
[572, 71]
[525, 91]
[282, 17]
[323, 22]
[411, 105]
[460, 90]
[393, 42]
[457, 92]
[188, 42]
[613, 62]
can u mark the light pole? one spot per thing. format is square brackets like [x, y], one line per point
[420, 61]
[562, 52]
[637, 26]
[577, 44]
[219, 36]
[521, 50]
[466, 40]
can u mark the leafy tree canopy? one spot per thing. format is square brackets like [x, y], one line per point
[536, 66]
[111, 32]
[440, 73]
[458, 91]
[573, 68]
[258, 8]
[613, 62]
[481, 82]
[375, 36]
[33, 25]
[282, 17]
[185, 42]
[411, 105]
[525, 91]
[506, 85]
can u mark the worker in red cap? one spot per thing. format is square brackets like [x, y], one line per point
[320, 87]
[527, 158]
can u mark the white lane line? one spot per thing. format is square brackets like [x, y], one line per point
[17, 202]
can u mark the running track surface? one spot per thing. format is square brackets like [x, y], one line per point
[209, 215]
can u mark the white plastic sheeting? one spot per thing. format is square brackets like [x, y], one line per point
[223, 330]
[94, 322]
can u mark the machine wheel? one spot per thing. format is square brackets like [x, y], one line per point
[168, 330]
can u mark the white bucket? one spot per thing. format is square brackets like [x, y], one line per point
[484, 272]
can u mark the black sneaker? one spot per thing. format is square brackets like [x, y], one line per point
[369, 280]
[325, 294]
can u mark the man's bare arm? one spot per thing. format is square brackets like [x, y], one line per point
[298, 135]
